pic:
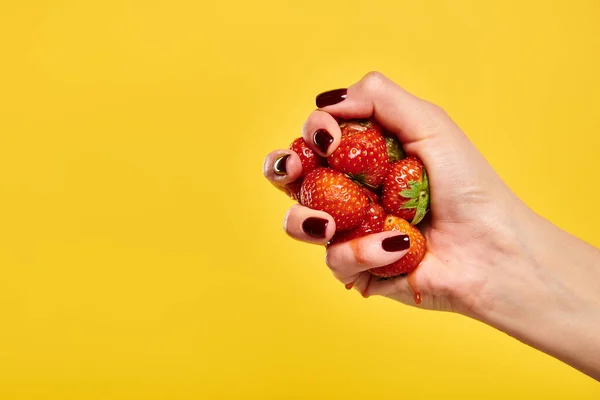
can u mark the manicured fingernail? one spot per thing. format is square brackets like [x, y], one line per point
[332, 97]
[279, 167]
[396, 243]
[323, 140]
[316, 227]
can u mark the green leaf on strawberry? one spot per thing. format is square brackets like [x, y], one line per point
[394, 149]
[405, 191]
[418, 196]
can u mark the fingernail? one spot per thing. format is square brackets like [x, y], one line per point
[315, 227]
[332, 97]
[279, 167]
[323, 140]
[396, 243]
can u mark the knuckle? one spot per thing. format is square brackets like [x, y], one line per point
[436, 109]
[332, 258]
[359, 251]
[373, 80]
[358, 248]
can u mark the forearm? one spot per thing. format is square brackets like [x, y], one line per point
[550, 297]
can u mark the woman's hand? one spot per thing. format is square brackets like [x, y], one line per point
[488, 255]
[474, 220]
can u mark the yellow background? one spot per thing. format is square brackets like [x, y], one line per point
[141, 250]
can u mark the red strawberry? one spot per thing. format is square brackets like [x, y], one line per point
[309, 159]
[372, 223]
[362, 153]
[373, 196]
[415, 254]
[393, 145]
[333, 192]
[406, 190]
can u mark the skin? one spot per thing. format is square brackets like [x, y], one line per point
[489, 256]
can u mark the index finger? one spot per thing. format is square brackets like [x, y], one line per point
[412, 119]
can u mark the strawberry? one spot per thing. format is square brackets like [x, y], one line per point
[333, 192]
[372, 223]
[406, 190]
[309, 159]
[362, 152]
[374, 197]
[415, 254]
[392, 144]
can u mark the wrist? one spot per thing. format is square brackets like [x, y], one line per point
[544, 291]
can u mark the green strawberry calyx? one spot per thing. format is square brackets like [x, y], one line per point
[418, 198]
[362, 179]
[394, 149]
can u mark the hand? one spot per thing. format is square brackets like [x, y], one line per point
[473, 225]
[488, 255]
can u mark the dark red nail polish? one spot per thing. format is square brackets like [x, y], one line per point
[316, 227]
[396, 243]
[322, 140]
[279, 167]
[332, 97]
